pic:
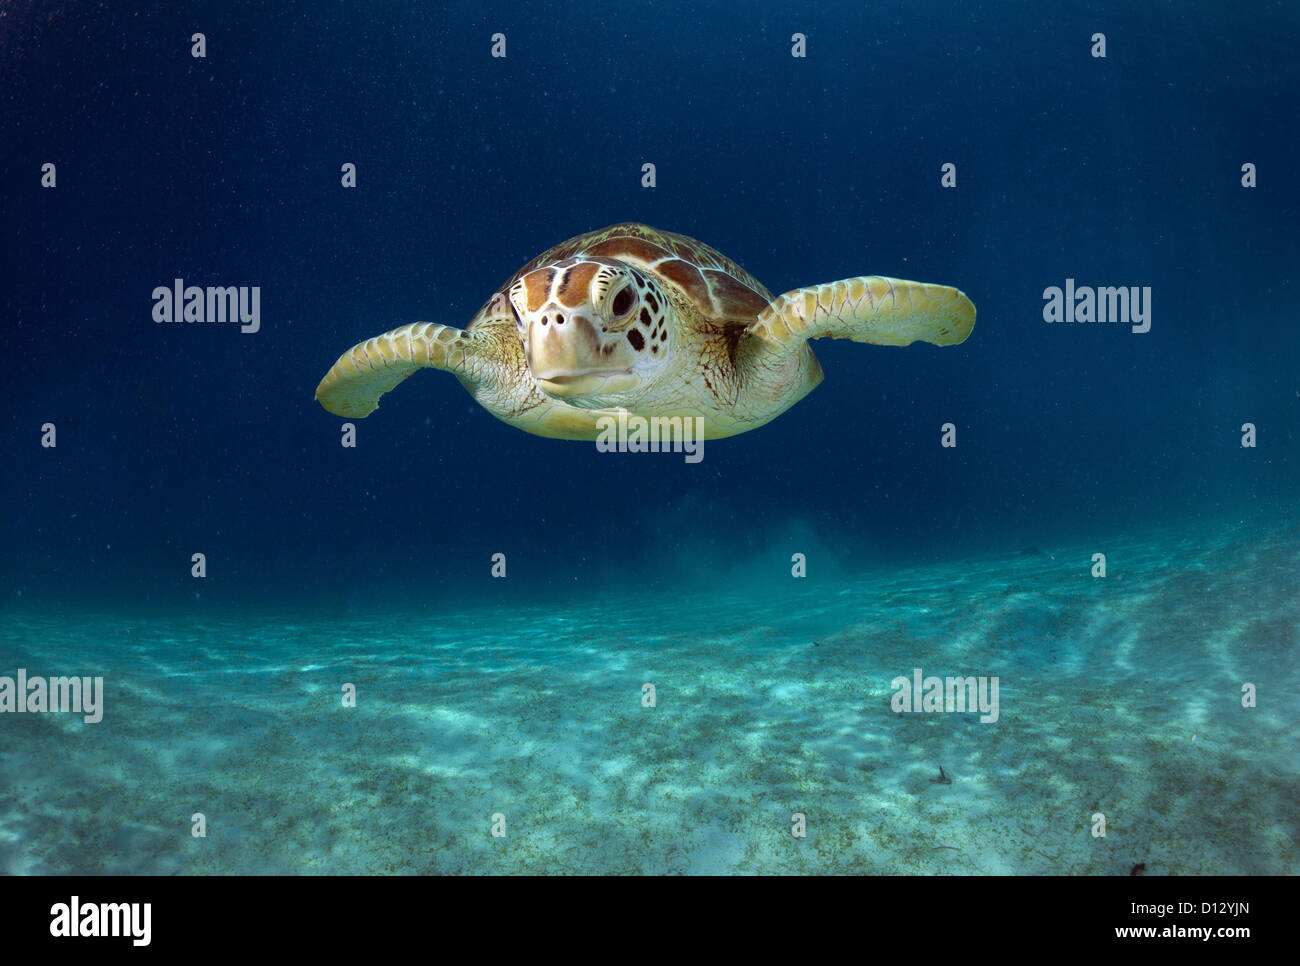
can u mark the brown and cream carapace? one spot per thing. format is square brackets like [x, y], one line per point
[646, 321]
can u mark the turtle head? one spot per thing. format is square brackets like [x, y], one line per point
[596, 331]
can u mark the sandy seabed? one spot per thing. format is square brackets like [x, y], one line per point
[1119, 696]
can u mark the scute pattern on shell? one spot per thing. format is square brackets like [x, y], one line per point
[722, 291]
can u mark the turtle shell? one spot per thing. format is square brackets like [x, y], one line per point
[720, 290]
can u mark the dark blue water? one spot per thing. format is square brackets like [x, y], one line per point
[1122, 171]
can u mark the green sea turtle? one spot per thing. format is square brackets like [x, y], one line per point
[649, 322]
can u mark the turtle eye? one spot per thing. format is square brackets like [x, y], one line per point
[512, 302]
[622, 302]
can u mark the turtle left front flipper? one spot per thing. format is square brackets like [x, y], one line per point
[870, 308]
[774, 353]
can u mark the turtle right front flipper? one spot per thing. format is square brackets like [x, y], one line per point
[369, 369]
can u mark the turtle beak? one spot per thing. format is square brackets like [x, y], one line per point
[586, 384]
[560, 345]
[569, 360]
